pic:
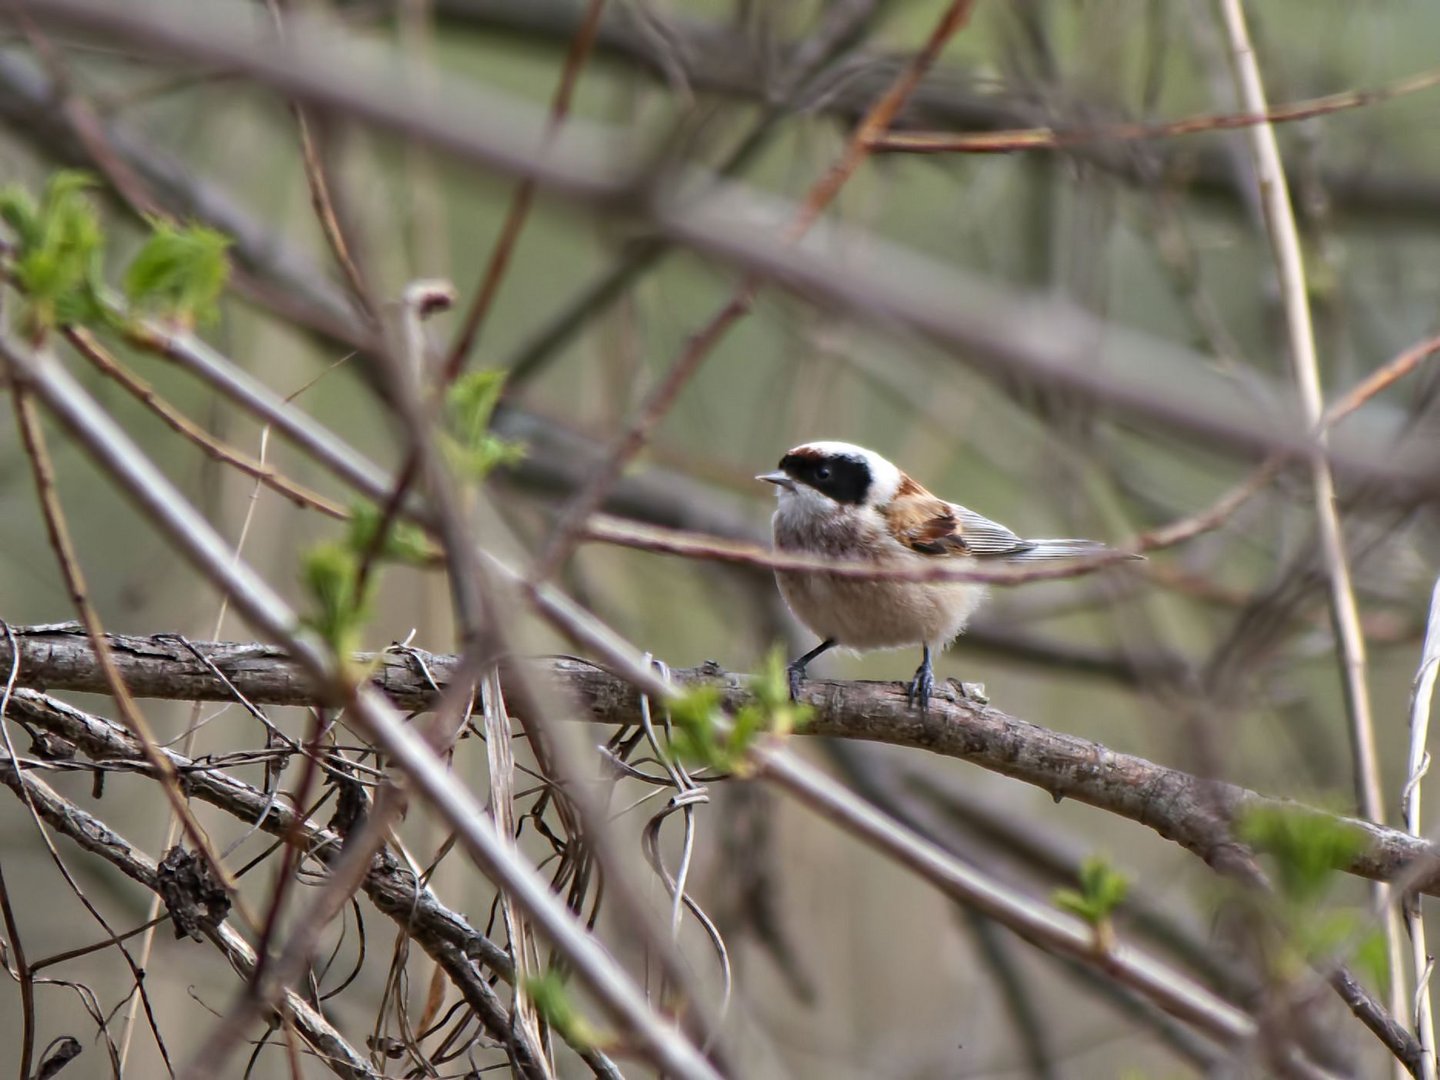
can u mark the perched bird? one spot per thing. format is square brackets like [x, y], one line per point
[845, 503]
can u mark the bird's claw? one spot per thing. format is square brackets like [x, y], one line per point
[921, 687]
[796, 673]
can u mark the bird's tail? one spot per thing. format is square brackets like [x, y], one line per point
[1044, 550]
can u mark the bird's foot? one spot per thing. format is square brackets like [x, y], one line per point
[921, 687]
[797, 667]
[796, 672]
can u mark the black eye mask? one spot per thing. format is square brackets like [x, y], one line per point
[844, 479]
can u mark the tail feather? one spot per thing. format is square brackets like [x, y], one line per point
[1043, 550]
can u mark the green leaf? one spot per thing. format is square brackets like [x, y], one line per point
[1102, 890]
[469, 406]
[330, 574]
[18, 210]
[695, 735]
[1308, 847]
[59, 248]
[403, 542]
[700, 735]
[179, 272]
[554, 1006]
[1372, 957]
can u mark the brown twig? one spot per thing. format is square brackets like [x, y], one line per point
[63, 547]
[1049, 138]
[89, 347]
[96, 837]
[321, 199]
[445, 935]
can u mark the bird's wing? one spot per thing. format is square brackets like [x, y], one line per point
[986, 538]
[932, 526]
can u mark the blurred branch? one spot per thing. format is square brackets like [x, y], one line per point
[901, 793]
[1181, 807]
[727, 61]
[999, 334]
[521, 199]
[88, 346]
[701, 343]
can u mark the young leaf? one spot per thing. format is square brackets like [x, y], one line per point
[694, 735]
[59, 245]
[1308, 848]
[552, 1002]
[403, 542]
[1102, 890]
[701, 738]
[330, 574]
[179, 272]
[469, 406]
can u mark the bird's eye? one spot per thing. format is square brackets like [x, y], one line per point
[822, 473]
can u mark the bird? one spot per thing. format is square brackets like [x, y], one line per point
[842, 502]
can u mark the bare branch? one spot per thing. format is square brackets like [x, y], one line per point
[1181, 807]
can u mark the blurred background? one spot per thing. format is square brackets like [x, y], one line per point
[1216, 656]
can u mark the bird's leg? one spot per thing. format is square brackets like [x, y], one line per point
[922, 684]
[797, 668]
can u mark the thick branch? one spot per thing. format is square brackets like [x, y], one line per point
[1186, 809]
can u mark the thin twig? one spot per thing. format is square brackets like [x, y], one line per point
[321, 198]
[96, 837]
[393, 888]
[88, 346]
[63, 547]
[1421, 698]
[1050, 138]
[500, 755]
[1290, 266]
[522, 197]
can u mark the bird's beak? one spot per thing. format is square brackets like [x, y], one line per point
[779, 479]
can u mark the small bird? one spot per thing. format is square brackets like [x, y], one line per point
[842, 502]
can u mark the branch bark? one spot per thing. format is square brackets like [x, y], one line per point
[1186, 809]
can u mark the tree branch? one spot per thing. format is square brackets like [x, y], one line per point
[1186, 809]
